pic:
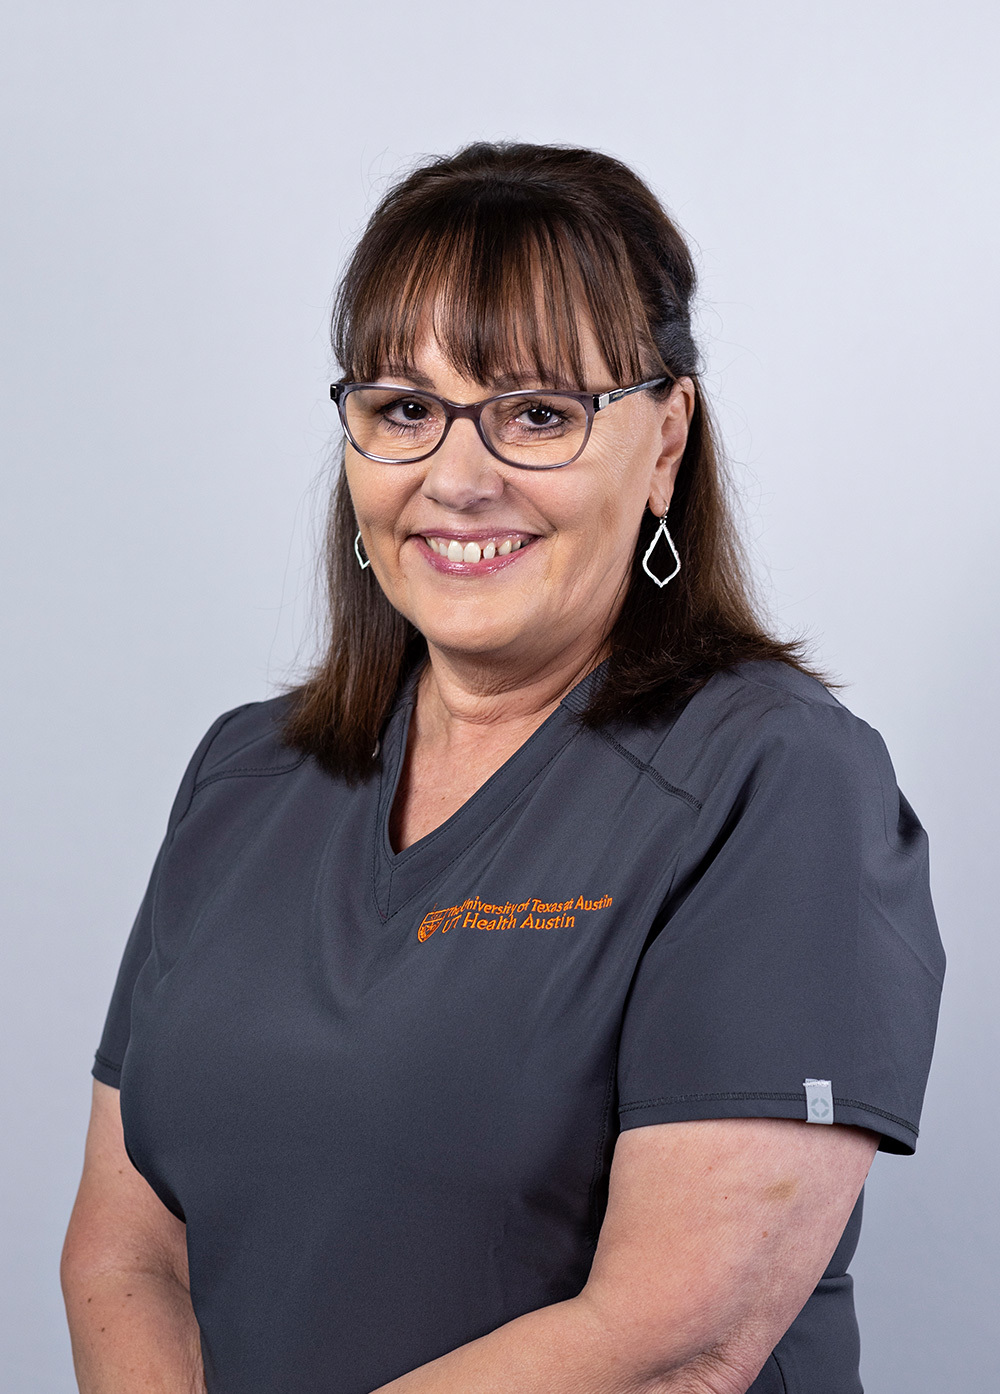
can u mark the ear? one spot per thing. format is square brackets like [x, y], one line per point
[676, 413]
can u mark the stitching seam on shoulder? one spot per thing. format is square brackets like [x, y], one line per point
[250, 771]
[657, 778]
[774, 688]
[774, 1097]
[213, 734]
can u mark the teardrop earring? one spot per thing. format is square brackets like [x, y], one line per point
[363, 562]
[661, 532]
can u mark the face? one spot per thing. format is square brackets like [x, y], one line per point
[554, 546]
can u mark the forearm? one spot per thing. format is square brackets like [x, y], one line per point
[133, 1334]
[566, 1348]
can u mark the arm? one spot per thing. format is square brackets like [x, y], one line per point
[716, 1233]
[124, 1275]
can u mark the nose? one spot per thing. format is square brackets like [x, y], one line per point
[462, 474]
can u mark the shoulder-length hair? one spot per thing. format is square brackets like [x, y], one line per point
[504, 245]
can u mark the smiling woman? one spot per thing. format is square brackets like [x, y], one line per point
[491, 980]
[555, 270]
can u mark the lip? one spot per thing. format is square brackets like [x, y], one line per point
[477, 568]
[478, 534]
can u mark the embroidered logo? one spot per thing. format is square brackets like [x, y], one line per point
[474, 913]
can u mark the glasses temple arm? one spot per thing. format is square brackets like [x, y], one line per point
[604, 399]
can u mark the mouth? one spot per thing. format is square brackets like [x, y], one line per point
[475, 553]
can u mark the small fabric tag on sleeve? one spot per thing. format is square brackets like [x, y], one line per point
[819, 1100]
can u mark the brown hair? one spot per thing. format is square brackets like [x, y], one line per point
[473, 236]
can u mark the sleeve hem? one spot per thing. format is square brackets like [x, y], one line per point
[106, 1071]
[897, 1135]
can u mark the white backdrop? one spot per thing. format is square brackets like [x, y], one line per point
[181, 184]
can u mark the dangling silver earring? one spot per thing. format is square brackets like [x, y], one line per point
[664, 532]
[363, 562]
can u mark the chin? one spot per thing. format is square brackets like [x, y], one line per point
[476, 624]
[475, 645]
[475, 640]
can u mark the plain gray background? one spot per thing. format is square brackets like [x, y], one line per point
[181, 183]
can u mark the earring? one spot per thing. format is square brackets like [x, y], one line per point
[664, 532]
[363, 562]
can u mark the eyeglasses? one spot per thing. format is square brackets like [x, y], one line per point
[531, 430]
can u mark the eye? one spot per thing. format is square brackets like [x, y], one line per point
[536, 415]
[406, 409]
[540, 415]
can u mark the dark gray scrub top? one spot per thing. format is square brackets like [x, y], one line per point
[383, 1089]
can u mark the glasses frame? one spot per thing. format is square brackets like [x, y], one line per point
[592, 403]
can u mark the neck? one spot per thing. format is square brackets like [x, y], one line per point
[460, 698]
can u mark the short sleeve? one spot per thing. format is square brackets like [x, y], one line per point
[110, 1053]
[798, 941]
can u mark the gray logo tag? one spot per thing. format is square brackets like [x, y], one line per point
[819, 1100]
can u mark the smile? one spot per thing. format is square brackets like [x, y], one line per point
[474, 553]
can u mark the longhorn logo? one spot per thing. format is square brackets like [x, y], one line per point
[437, 919]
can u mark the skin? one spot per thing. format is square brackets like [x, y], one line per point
[716, 1231]
[506, 647]
[125, 1275]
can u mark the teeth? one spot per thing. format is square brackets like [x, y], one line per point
[472, 552]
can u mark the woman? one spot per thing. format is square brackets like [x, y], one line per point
[489, 985]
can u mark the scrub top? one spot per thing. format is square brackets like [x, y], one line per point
[383, 1088]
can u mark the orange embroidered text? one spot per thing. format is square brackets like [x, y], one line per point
[532, 913]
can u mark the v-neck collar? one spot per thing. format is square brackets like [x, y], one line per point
[399, 876]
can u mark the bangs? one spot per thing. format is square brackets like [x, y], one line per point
[502, 281]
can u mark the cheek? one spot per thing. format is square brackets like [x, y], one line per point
[379, 496]
[601, 510]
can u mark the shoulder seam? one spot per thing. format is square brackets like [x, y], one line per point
[249, 772]
[797, 697]
[213, 734]
[653, 774]
[249, 741]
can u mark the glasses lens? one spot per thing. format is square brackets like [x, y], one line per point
[392, 423]
[538, 429]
